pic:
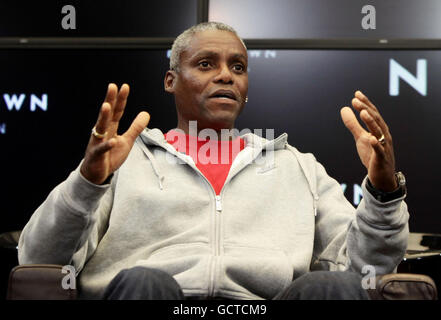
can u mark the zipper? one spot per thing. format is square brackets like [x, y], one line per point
[213, 268]
[217, 217]
[216, 227]
[218, 203]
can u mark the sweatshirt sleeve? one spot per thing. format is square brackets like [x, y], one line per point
[374, 234]
[66, 228]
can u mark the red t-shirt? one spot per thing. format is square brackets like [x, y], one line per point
[212, 157]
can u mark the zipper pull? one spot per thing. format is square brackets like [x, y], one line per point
[218, 204]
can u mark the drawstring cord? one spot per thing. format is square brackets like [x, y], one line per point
[154, 163]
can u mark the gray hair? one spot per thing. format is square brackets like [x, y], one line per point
[183, 40]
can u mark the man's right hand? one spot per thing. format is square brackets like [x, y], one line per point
[105, 155]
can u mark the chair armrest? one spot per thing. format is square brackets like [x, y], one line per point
[403, 286]
[38, 282]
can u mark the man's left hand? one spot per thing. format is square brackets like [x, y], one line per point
[377, 157]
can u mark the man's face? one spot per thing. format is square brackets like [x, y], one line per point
[212, 83]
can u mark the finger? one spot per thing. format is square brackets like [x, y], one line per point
[121, 102]
[359, 105]
[361, 102]
[112, 91]
[138, 125]
[103, 120]
[94, 152]
[378, 148]
[370, 122]
[103, 147]
[365, 99]
[351, 122]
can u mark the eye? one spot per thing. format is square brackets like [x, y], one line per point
[239, 67]
[204, 64]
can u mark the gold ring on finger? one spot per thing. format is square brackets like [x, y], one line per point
[97, 134]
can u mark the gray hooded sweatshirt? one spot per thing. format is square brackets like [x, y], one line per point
[278, 216]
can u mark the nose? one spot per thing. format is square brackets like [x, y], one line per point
[224, 75]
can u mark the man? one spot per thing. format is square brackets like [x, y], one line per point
[140, 226]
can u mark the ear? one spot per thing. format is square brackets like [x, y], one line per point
[170, 81]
